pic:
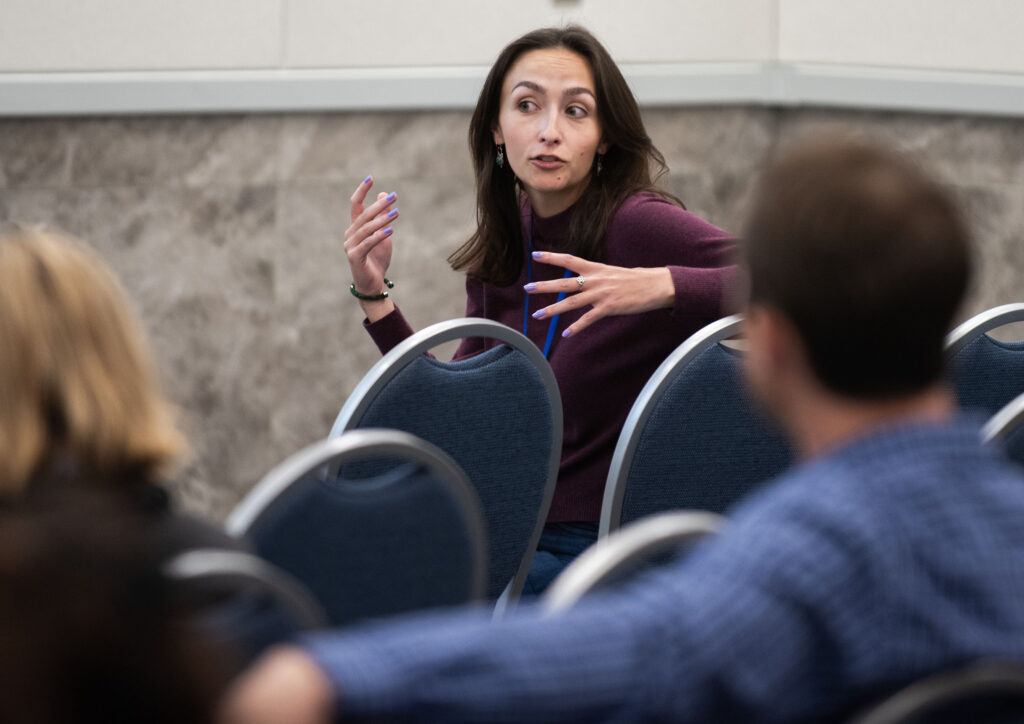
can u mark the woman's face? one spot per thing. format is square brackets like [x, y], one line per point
[548, 123]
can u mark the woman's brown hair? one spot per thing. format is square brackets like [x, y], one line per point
[76, 379]
[494, 253]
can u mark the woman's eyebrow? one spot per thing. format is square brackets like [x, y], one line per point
[529, 84]
[567, 93]
[578, 92]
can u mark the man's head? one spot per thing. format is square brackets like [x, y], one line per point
[864, 259]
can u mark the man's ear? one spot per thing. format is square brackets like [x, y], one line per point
[767, 363]
[773, 345]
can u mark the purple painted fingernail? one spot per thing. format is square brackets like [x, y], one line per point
[566, 333]
[393, 213]
[538, 314]
[387, 231]
[368, 179]
[538, 254]
[391, 196]
[529, 287]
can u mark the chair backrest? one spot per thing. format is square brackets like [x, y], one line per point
[628, 549]
[981, 692]
[986, 373]
[1005, 429]
[409, 538]
[498, 414]
[222, 572]
[694, 437]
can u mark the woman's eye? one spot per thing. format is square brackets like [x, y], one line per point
[526, 105]
[576, 111]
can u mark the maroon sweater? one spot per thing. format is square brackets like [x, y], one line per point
[601, 370]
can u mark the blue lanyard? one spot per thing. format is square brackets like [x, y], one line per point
[526, 306]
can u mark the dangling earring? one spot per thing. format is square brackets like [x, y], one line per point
[500, 160]
[599, 164]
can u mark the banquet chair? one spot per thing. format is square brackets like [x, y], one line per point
[498, 414]
[981, 692]
[1005, 429]
[986, 373]
[241, 601]
[694, 438]
[213, 571]
[626, 552]
[408, 538]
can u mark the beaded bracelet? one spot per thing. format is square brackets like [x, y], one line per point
[372, 297]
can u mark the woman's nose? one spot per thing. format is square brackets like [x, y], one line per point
[550, 132]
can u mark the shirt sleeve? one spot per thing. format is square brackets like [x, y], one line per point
[713, 638]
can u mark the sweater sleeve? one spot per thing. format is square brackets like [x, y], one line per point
[648, 231]
[388, 331]
[392, 329]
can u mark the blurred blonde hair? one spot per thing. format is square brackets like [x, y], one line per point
[76, 378]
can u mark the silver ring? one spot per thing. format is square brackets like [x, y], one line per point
[579, 283]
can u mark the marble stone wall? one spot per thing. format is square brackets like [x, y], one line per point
[227, 232]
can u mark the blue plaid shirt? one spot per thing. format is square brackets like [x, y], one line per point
[900, 554]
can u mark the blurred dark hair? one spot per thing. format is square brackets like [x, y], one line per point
[86, 630]
[494, 253]
[866, 256]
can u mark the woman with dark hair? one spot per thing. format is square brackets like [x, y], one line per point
[572, 235]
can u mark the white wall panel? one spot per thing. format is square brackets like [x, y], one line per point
[673, 31]
[404, 33]
[327, 33]
[958, 35]
[159, 56]
[89, 35]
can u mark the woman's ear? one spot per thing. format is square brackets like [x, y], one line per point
[602, 148]
[498, 138]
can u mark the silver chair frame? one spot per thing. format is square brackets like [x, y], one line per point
[636, 421]
[645, 536]
[237, 569]
[358, 445]
[1005, 421]
[422, 342]
[983, 677]
[981, 323]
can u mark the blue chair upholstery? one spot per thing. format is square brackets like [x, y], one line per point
[409, 538]
[1005, 429]
[694, 437]
[986, 373]
[497, 414]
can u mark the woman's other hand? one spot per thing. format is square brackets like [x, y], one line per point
[368, 245]
[607, 290]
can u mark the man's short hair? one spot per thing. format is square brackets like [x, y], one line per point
[866, 256]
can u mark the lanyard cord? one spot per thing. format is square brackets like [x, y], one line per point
[526, 306]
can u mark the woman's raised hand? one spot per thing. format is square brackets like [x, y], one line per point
[368, 238]
[607, 290]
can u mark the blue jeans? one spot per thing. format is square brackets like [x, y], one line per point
[559, 544]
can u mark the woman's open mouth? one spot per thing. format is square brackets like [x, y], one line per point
[547, 162]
